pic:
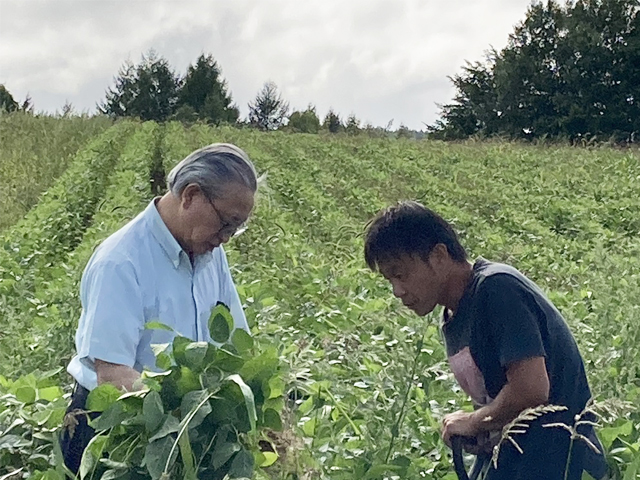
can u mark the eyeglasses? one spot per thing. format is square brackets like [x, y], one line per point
[228, 228]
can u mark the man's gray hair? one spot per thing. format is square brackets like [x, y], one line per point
[213, 168]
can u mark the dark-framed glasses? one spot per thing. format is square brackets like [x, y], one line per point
[228, 228]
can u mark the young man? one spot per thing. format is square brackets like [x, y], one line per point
[165, 265]
[508, 346]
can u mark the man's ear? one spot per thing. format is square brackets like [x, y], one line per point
[188, 194]
[439, 256]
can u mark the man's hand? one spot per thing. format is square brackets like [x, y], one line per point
[527, 386]
[460, 423]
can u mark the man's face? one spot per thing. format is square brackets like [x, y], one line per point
[207, 224]
[418, 283]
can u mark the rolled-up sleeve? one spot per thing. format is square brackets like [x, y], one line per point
[112, 319]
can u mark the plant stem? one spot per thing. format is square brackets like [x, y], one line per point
[395, 431]
[183, 429]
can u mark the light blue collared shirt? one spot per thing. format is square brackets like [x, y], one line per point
[138, 275]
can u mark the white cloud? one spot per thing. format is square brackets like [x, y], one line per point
[379, 59]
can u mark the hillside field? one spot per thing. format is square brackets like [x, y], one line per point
[364, 383]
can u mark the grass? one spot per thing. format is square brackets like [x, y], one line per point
[35, 151]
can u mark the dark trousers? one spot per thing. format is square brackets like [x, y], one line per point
[76, 432]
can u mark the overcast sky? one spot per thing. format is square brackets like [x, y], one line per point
[380, 59]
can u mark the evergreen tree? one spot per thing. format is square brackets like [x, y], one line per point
[148, 90]
[205, 91]
[353, 125]
[332, 122]
[268, 110]
[7, 102]
[306, 121]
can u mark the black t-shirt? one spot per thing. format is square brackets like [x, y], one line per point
[504, 317]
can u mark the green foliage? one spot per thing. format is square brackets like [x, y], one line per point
[304, 122]
[332, 122]
[205, 91]
[31, 412]
[352, 126]
[35, 151]
[7, 102]
[568, 71]
[207, 427]
[148, 91]
[268, 110]
[43, 255]
[366, 383]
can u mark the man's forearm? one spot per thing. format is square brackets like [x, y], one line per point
[527, 388]
[502, 410]
[121, 376]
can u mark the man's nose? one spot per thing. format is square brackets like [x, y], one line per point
[398, 290]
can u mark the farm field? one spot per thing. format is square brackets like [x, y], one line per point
[34, 152]
[364, 381]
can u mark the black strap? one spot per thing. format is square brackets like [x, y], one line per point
[457, 443]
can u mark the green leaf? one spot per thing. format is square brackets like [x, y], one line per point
[273, 388]
[242, 465]
[92, 455]
[269, 458]
[248, 398]
[378, 470]
[156, 456]
[227, 361]
[26, 394]
[242, 341]
[190, 402]
[163, 356]
[179, 347]
[261, 367]
[158, 326]
[111, 417]
[194, 354]
[153, 411]
[222, 452]
[632, 470]
[609, 434]
[171, 425]
[163, 361]
[272, 420]
[50, 393]
[187, 381]
[102, 397]
[220, 326]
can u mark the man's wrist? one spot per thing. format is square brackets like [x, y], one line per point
[481, 420]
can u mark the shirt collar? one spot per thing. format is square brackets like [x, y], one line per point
[165, 238]
[162, 234]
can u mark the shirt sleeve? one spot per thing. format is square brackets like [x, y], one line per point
[112, 320]
[512, 319]
[230, 295]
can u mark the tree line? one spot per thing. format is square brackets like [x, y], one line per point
[152, 90]
[568, 71]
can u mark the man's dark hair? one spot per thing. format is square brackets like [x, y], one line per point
[408, 228]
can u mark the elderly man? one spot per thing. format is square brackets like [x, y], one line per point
[508, 346]
[165, 265]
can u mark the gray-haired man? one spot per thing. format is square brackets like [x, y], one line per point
[165, 265]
